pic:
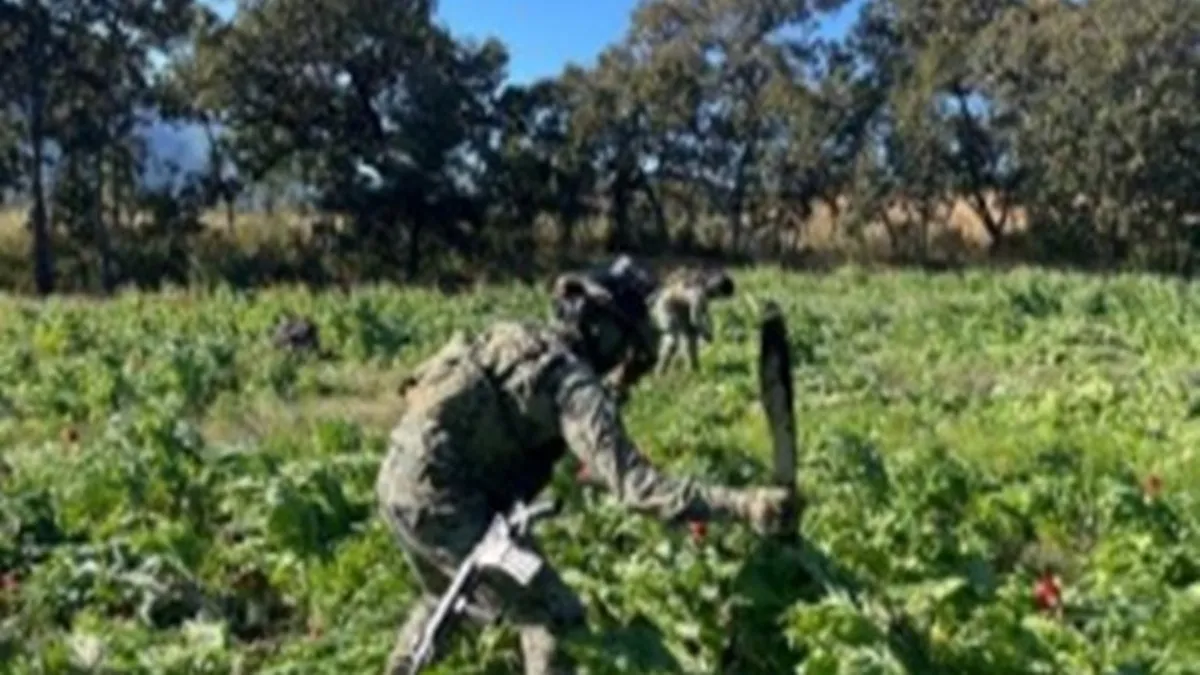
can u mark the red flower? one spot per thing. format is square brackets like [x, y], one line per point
[1152, 486]
[9, 582]
[582, 475]
[699, 530]
[1047, 593]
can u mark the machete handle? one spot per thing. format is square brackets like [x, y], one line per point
[793, 510]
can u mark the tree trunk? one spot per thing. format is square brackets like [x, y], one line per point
[42, 251]
[413, 262]
[566, 236]
[835, 215]
[618, 238]
[738, 199]
[979, 183]
[661, 236]
[100, 228]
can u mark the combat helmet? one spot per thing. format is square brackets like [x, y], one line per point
[616, 294]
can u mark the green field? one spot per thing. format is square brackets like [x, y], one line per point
[181, 498]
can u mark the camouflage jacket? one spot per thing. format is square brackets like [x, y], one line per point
[682, 306]
[491, 414]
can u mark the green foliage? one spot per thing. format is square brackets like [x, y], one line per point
[931, 132]
[962, 437]
[391, 102]
[79, 75]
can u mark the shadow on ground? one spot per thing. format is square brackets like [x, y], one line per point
[780, 573]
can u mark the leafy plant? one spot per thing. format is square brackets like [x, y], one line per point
[1001, 473]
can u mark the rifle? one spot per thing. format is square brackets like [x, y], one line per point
[499, 549]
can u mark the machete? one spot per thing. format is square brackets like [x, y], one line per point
[777, 394]
[776, 390]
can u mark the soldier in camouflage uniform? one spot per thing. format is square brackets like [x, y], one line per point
[487, 418]
[680, 313]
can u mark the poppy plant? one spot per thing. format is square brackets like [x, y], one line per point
[1047, 593]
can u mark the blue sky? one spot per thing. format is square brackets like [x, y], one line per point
[545, 35]
[542, 35]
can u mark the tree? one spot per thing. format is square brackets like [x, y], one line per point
[1104, 97]
[708, 71]
[608, 125]
[78, 73]
[381, 106]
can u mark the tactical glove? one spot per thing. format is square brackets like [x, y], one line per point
[763, 508]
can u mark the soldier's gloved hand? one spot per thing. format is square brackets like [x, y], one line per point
[763, 508]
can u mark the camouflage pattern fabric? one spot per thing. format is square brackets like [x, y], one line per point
[486, 419]
[680, 312]
[436, 538]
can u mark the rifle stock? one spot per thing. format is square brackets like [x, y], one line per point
[499, 549]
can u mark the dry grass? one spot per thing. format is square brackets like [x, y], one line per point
[955, 233]
[361, 394]
[821, 230]
[249, 227]
[268, 417]
[13, 234]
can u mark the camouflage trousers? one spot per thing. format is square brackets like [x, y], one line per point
[435, 536]
[670, 345]
[676, 332]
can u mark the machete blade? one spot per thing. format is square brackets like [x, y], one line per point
[776, 391]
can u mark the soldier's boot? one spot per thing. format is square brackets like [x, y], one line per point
[540, 650]
[693, 351]
[666, 352]
[401, 659]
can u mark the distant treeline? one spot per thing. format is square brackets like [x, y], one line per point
[933, 132]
